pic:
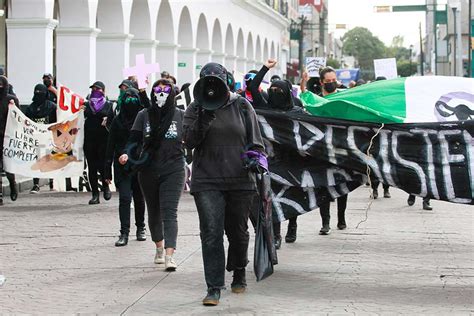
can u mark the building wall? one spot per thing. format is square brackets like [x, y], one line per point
[96, 39]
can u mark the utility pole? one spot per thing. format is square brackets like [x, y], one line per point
[422, 59]
[300, 44]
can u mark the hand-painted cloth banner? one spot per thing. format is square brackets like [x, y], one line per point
[43, 150]
[326, 158]
[69, 103]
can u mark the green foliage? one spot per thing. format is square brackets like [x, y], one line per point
[334, 63]
[405, 68]
[364, 46]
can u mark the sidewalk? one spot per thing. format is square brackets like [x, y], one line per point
[58, 256]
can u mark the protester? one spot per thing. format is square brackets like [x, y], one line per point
[248, 80]
[43, 111]
[275, 78]
[10, 91]
[165, 75]
[280, 98]
[115, 108]
[314, 85]
[48, 81]
[161, 175]
[329, 86]
[95, 139]
[126, 181]
[221, 187]
[5, 100]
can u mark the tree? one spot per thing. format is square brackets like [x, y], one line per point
[405, 68]
[334, 63]
[365, 47]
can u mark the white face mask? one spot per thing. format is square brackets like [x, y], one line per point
[161, 98]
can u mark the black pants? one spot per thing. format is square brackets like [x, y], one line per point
[277, 225]
[36, 181]
[11, 181]
[95, 155]
[162, 193]
[324, 210]
[375, 185]
[129, 187]
[221, 211]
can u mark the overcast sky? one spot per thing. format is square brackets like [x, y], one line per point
[384, 25]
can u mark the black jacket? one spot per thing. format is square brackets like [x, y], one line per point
[94, 132]
[5, 99]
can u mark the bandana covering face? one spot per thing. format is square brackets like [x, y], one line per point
[161, 94]
[97, 101]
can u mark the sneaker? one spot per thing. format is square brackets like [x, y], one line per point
[411, 200]
[375, 194]
[122, 241]
[160, 256]
[35, 189]
[170, 264]
[341, 226]
[141, 234]
[427, 206]
[212, 297]
[325, 230]
[386, 194]
[239, 282]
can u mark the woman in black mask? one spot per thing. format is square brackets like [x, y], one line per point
[126, 182]
[280, 98]
[161, 176]
[5, 99]
[95, 138]
[42, 111]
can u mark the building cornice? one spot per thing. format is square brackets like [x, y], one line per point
[31, 23]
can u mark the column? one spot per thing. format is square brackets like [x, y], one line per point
[186, 65]
[30, 53]
[167, 57]
[68, 57]
[218, 58]
[202, 58]
[250, 65]
[148, 48]
[230, 62]
[113, 55]
[241, 65]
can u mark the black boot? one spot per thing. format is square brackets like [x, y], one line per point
[107, 192]
[386, 194]
[212, 297]
[13, 191]
[411, 200]
[325, 230]
[141, 234]
[426, 205]
[95, 198]
[375, 194]
[277, 241]
[122, 241]
[291, 232]
[341, 220]
[239, 282]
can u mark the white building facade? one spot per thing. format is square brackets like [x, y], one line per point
[81, 41]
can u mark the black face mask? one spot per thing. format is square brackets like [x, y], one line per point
[39, 97]
[277, 100]
[47, 82]
[330, 87]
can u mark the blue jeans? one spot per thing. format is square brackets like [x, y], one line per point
[128, 187]
[221, 211]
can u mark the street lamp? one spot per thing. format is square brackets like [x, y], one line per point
[411, 55]
[456, 7]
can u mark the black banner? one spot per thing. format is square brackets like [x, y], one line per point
[327, 158]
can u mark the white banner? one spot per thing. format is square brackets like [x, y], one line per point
[69, 103]
[313, 64]
[386, 67]
[43, 150]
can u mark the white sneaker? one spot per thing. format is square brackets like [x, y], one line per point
[170, 264]
[159, 257]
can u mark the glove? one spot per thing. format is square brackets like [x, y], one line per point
[255, 161]
[208, 116]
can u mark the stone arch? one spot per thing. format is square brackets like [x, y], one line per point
[250, 51]
[229, 41]
[258, 50]
[217, 37]
[185, 29]
[272, 51]
[114, 16]
[80, 13]
[265, 50]
[202, 35]
[40, 9]
[165, 24]
[240, 44]
[140, 20]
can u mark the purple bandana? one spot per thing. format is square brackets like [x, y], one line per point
[97, 101]
[257, 157]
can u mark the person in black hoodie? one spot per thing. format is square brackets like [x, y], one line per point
[222, 187]
[126, 182]
[95, 139]
[161, 175]
[42, 111]
[280, 98]
[5, 99]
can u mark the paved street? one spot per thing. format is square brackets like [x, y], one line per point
[57, 254]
